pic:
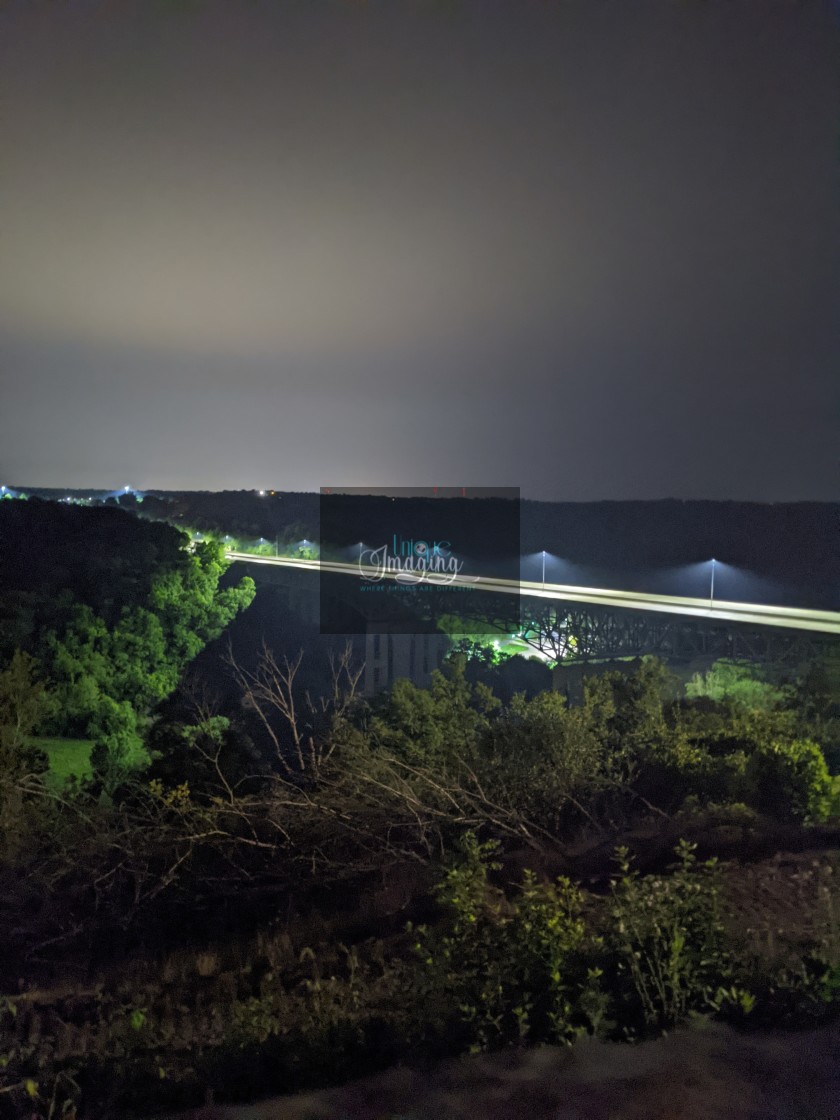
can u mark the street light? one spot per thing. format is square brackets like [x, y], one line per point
[712, 588]
[543, 568]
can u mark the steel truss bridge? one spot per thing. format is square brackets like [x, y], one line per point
[572, 632]
[569, 623]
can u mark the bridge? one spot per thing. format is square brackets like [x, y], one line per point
[753, 614]
[572, 623]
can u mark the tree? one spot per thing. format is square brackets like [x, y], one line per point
[302, 731]
[103, 673]
[547, 760]
[435, 726]
[22, 698]
[737, 683]
[790, 780]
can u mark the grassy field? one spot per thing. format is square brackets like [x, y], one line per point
[68, 757]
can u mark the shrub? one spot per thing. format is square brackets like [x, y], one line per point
[738, 683]
[790, 781]
[667, 938]
[543, 758]
[510, 970]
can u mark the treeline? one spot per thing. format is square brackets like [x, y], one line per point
[240, 513]
[785, 552]
[107, 611]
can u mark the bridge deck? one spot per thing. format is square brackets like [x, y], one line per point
[756, 614]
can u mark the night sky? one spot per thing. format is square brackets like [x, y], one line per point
[591, 249]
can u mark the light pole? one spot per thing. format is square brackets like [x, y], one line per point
[712, 588]
[543, 568]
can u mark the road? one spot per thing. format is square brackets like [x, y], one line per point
[755, 614]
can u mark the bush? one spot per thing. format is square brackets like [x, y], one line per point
[667, 940]
[790, 781]
[544, 759]
[513, 970]
[738, 683]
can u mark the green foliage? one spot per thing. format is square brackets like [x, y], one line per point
[739, 683]
[481, 654]
[815, 702]
[790, 781]
[626, 711]
[512, 969]
[67, 759]
[107, 678]
[547, 760]
[667, 938]
[191, 607]
[435, 726]
[661, 763]
[22, 699]
[214, 758]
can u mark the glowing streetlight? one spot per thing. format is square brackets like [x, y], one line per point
[543, 568]
[712, 588]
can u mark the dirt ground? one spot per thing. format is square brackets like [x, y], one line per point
[784, 902]
[711, 1073]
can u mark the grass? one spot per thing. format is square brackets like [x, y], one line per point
[68, 758]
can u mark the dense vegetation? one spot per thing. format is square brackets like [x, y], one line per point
[307, 884]
[373, 800]
[109, 610]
